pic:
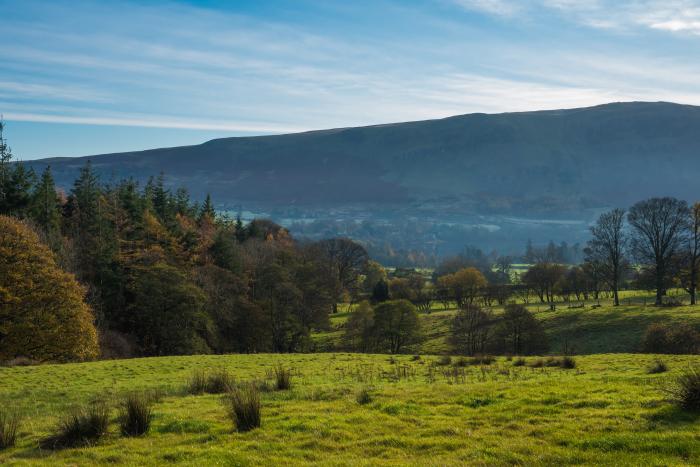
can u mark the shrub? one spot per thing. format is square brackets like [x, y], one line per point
[363, 397]
[685, 391]
[135, 415]
[657, 367]
[9, 425]
[283, 378]
[244, 407]
[81, 427]
[679, 339]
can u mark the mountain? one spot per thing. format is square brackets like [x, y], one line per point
[611, 154]
[555, 164]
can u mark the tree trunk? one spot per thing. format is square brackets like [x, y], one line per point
[617, 297]
[659, 288]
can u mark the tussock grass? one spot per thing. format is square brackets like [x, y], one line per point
[283, 378]
[9, 426]
[657, 367]
[81, 427]
[243, 404]
[216, 382]
[135, 414]
[363, 396]
[685, 390]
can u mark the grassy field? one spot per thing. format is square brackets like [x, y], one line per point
[607, 410]
[587, 330]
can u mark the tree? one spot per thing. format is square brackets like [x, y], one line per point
[46, 205]
[396, 325]
[207, 210]
[519, 333]
[542, 278]
[359, 328]
[607, 248]
[166, 311]
[470, 330]
[42, 312]
[344, 261]
[660, 230]
[380, 292]
[691, 256]
[465, 285]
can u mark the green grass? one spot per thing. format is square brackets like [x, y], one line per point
[606, 411]
[588, 330]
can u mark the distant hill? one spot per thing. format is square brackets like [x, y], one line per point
[513, 163]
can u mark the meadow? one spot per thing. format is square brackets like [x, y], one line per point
[421, 410]
[579, 327]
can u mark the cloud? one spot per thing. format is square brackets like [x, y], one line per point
[677, 16]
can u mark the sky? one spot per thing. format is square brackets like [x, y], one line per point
[80, 77]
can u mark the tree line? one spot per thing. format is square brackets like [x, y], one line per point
[151, 272]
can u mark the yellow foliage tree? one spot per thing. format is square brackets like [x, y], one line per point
[43, 315]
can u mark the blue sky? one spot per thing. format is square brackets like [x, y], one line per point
[80, 77]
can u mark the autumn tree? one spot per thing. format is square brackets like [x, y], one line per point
[464, 285]
[43, 315]
[659, 233]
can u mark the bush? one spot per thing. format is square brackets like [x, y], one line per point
[685, 391]
[244, 407]
[135, 415]
[363, 397]
[9, 425]
[82, 427]
[679, 339]
[657, 367]
[283, 378]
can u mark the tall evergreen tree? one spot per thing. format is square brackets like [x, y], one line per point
[46, 205]
[207, 209]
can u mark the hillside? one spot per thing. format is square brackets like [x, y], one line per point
[431, 187]
[538, 161]
[607, 410]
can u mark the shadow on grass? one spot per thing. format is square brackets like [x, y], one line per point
[672, 415]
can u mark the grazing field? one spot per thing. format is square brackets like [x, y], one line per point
[587, 330]
[414, 410]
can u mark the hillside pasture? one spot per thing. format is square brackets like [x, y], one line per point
[421, 411]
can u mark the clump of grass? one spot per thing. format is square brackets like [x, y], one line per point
[81, 427]
[461, 361]
[685, 391]
[283, 378]
[363, 396]
[9, 425]
[197, 383]
[519, 362]
[136, 413]
[218, 382]
[659, 366]
[483, 360]
[415, 358]
[243, 405]
[444, 360]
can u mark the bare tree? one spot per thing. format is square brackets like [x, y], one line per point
[691, 258]
[607, 248]
[345, 261]
[660, 230]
